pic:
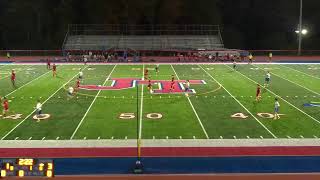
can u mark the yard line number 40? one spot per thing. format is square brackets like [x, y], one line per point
[262, 115]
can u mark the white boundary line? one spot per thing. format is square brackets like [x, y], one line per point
[28, 83]
[141, 63]
[195, 112]
[35, 109]
[141, 107]
[300, 72]
[239, 103]
[89, 108]
[290, 81]
[120, 143]
[278, 97]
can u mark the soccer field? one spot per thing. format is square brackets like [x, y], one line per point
[221, 106]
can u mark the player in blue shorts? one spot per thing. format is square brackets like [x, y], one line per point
[267, 79]
[187, 85]
[276, 109]
[234, 64]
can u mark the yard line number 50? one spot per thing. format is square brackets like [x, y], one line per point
[128, 116]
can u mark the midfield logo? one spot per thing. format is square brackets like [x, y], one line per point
[163, 85]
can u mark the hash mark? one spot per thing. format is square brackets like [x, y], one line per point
[43, 138]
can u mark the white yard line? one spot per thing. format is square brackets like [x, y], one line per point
[300, 72]
[195, 112]
[291, 82]
[85, 115]
[239, 103]
[28, 83]
[141, 106]
[278, 97]
[296, 84]
[35, 109]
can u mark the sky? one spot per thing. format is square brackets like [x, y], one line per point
[245, 24]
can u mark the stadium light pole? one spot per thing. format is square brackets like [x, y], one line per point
[138, 140]
[300, 28]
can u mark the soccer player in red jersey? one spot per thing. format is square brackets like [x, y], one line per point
[146, 72]
[13, 77]
[172, 78]
[77, 84]
[258, 93]
[172, 86]
[54, 70]
[150, 86]
[5, 106]
[48, 64]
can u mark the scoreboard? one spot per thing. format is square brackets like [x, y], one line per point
[21, 167]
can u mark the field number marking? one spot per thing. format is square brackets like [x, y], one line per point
[262, 115]
[128, 116]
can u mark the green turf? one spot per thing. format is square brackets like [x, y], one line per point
[207, 114]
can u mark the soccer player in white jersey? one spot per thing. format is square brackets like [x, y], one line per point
[267, 79]
[80, 74]
[276, 109]
[234, 64]
[70, 92]
[39, 108]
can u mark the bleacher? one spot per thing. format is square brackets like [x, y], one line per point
[176, 39]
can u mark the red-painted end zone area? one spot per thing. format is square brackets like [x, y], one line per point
[160, 152]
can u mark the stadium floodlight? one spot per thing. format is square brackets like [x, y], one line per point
[303, 31]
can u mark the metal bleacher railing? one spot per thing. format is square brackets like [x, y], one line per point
[142, 37]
